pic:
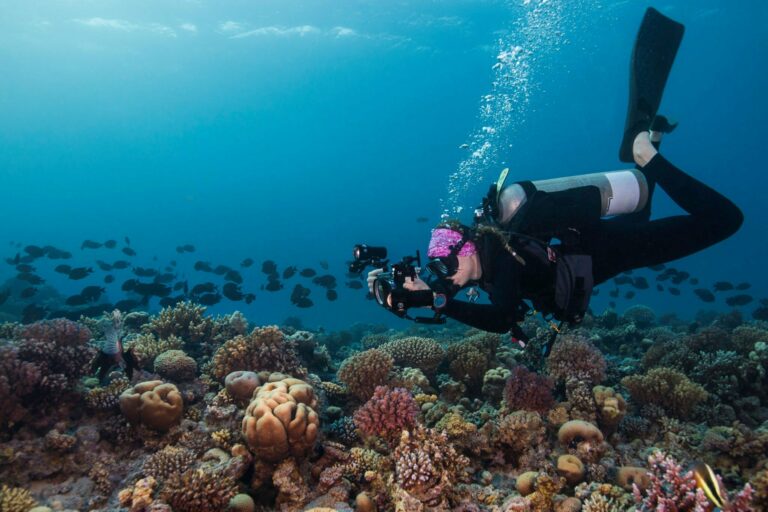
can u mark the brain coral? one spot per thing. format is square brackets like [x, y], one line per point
[528, 391]
[281, 421]
[264, 349]
[422, 353]
[153, 403]
[387, 413]
[175, 365]
[364, 371]
[575, 357]
[666, 388]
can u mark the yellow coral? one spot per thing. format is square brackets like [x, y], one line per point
[667, 388]
[146, 347]
[15, 499]
[454, 425]
[611, 407]
[138, 497]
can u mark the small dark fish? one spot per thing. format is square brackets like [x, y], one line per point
[704, 294]
[144, 272]
[62, 269]
[90, 244]
[269, 267]
[149, 289]
[308, 272]
[694, 281]
[25, 267]
[742, 286]
[422, 220]
[658, 267]
[32, 313]
[120, 264]
[640, 283]
[179, 249]
[289, 272]
[723, 286]
[356, 285]
[203, 288]
[188, 248]
[15, 260]
[76, 300]
[35, 251]
[103, 265]
[273, 284]
[127, 241]
[249, 297]
[659, 287]
[128, 251]
[247, 262]
[220, 270]
[110, 244]
[203, 266]
[620, 280]
[304, 303]
[673, 291]
[209, 299]
[614, 293]
[109, 278]
[739, 300]
[331, 295]
[299, 293]
[234, 276]
[30, 278]
[92, 293]
[129, 285]
[26, 259]
[232, 291]
[324, 265]
[56, 254]
[629, 295]
[127, 304]
[4, 296]
[28, 292]
[680, 277]
[326, 281]
[79, 273]
[164, 278]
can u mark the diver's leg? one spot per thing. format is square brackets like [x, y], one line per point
[712, 217]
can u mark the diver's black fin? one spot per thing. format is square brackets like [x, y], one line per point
[652, 57]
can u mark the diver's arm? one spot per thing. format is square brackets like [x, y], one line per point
[481, 316]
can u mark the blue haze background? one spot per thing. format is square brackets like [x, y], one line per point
[291, 130]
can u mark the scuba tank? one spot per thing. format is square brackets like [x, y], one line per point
[620, 192]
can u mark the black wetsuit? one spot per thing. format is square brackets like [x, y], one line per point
[616, 244]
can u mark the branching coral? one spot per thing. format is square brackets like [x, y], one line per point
[422, 353]
[146, 347]
[670, 488]
[14, 499]
[526, 390]
[108, 397]
[387, 413]
[666, 388]
[523, 435]
[264, 349]
[427, 466]
[59, 348]
[185, 320]
[470, 359]
[575, 357]
[198, 491]
[364, 371]
[169, 461]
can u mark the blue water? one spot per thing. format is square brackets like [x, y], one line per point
[291, 130]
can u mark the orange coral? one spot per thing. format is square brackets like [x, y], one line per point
[153, 403]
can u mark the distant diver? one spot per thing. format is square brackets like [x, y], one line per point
[112, 353]
[550, 242]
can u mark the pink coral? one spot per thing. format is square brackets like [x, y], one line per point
[60, 348]
[387, 413]
[574, 357]
[528, 391]
[670, 488]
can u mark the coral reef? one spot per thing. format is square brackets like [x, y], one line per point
[574, 357]
[264, 349]
[175, 365]
[387, 413]
[528, 391]
[362, 372]
[13, 499]
[153, 403]
[666, 388]
[422, 353]
[199, 491]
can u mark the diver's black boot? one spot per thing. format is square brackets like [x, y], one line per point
[659, 126]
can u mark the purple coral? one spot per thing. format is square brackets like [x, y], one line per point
[387, 413]
[528, 391]
[574, 357]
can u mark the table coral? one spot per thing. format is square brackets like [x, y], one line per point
[264, 349]
[155, 404]
[387, 413]
[362, 372]
[667, 388]
[280, 422]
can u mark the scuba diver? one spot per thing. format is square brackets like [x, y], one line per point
[549, 242]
